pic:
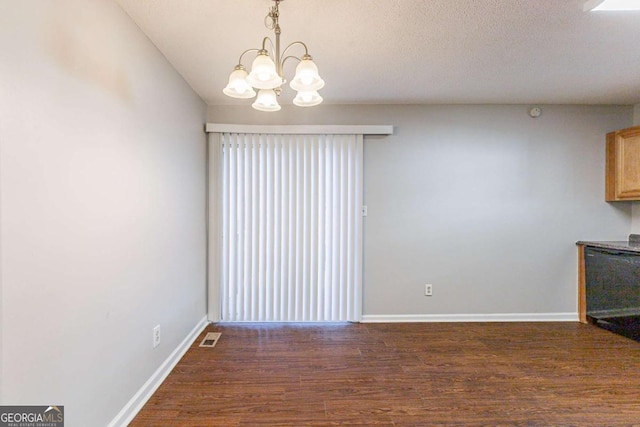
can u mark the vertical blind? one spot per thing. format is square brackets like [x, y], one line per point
[291, 227]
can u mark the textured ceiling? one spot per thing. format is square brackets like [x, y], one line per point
[411, 51]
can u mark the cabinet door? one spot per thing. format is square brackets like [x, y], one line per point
[623, 165]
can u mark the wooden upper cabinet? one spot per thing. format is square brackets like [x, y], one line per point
[623, 165]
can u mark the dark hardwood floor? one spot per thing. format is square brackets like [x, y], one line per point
[427, 374]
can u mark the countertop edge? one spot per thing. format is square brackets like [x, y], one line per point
[616, 245]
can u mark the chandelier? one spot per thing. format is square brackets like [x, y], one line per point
[267, 75]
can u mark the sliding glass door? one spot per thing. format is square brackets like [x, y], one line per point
[290, 227]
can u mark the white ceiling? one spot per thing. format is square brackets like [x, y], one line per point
[412, 51]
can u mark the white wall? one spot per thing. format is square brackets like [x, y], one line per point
[102, 206]
[483, 202]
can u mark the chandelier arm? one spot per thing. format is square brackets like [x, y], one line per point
[284, 60]
[306, 50]
[264, 45]
[245, 52]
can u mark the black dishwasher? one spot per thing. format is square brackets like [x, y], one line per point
[612, 288]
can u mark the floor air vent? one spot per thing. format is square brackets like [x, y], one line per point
[211, 339]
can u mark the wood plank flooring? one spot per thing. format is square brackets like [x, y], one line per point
[427, 374]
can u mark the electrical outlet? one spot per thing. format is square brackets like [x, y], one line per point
[428, 290]
[156, 336]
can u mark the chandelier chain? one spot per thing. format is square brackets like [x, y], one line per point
[271, 20]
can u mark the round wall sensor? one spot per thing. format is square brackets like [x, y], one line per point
[535, 112]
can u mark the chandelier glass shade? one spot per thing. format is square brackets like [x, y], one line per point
[307, 99]
[267, 75]
[307, 77]
[267, 100]
[238, 87]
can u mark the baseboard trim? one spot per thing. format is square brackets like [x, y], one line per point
[501, 317]
[131, 409]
